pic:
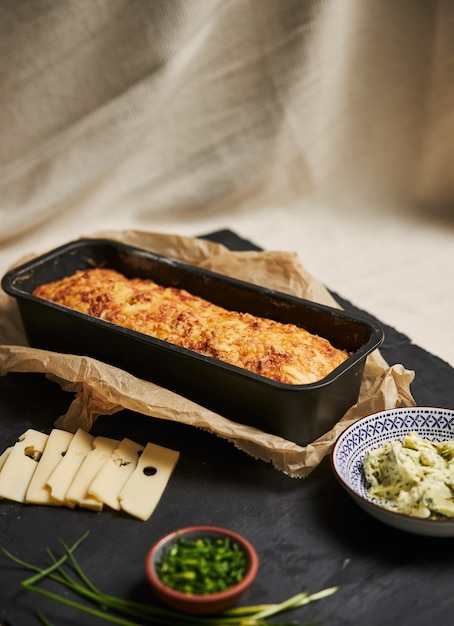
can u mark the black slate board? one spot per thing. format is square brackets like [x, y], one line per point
[309, 534]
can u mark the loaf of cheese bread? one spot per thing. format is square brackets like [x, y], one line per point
[282, 352]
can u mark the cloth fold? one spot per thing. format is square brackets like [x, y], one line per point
[149, 107]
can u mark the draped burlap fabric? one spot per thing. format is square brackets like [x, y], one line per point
[145, 106]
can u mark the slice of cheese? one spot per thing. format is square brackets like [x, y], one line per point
[20, 465]
[64, 473]
[77, 494]
[4, 456]
[144, 489]
[57, 445]
[115, 472]
[80, 469]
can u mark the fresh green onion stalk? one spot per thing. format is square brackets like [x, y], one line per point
[67, 572]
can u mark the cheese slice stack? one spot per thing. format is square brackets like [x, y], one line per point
[65, 469]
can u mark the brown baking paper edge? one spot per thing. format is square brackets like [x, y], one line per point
[101, 389]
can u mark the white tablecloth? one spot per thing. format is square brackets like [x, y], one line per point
[322, 127]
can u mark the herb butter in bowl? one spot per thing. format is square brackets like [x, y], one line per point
[398, 465]
[201, 569]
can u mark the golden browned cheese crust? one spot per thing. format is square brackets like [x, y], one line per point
[282, 352]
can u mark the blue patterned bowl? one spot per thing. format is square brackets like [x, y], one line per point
[434, 424]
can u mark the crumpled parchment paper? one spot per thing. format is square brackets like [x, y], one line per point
[101, 389]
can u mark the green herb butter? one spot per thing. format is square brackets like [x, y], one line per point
[413, 476]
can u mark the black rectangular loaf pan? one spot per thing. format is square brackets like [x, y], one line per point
[300, 413]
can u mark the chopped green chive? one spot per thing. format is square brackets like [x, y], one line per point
[202, 566]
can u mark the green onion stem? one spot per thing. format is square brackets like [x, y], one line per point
[300, 599]
[83, 587]
[43, 619]
[42, 573]
[82, 607]
[77, 568]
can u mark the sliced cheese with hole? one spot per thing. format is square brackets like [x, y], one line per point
[144, 489]
[115, 472]
[57, 445]
[80, 469]
[21, 464]
[64, 473]
[77, 494]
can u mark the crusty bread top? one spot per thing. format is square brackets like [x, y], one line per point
[282, 352]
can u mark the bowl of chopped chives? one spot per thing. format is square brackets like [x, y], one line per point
[201, 569]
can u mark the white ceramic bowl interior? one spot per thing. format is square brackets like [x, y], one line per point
[434, 424]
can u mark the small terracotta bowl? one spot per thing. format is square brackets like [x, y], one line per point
[199, 604]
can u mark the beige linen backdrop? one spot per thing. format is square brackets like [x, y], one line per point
[146, 106]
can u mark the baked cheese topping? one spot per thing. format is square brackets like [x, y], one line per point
[283, 352]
